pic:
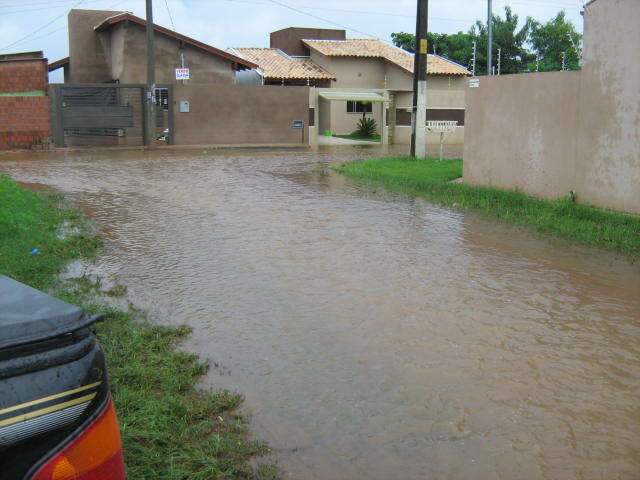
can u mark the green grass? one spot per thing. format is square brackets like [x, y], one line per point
[564, 218]
[170, 429]
[356, 136]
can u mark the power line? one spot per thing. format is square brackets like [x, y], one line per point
[28, 37]
[170, 16]
[331, 22]
[39, 28]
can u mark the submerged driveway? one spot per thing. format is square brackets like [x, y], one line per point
[374, 336]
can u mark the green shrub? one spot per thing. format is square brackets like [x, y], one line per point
[367, 127]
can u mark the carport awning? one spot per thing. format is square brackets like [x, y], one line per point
[356, 96]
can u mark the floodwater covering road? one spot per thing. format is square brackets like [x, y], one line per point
[374, 336]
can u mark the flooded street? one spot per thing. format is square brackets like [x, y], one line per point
[374, 336]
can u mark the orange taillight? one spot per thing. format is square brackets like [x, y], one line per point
[96, 454]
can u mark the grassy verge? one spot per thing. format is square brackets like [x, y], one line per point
[356, 136]
[170, 429]
[431, 179]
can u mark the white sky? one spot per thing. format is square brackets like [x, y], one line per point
[244, 23]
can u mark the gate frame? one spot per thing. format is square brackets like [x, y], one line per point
[55, 95]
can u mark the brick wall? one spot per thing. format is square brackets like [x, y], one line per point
[23, 76]
[24, 120]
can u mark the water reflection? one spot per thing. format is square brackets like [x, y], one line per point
[374, 336]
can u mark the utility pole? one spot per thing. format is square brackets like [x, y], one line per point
[473, 59]
[419, 117]
[564, 61]
[150, 117]
[537, 62]
[499, 60]
[489, 38]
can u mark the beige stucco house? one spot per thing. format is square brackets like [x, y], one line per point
[369, 69]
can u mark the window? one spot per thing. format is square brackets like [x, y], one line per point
[162, 98]
[359, 107]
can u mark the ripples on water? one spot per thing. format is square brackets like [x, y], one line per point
[374, 336]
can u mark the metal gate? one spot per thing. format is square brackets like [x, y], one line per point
[105, 115]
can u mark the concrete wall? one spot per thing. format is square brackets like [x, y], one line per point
[520, 132]
[289, 40]
[89, 55]
[442, 92]
[352, 72]
[241, 115]
[608, 135]
[120, 54]
[204, 67]
[550, 133]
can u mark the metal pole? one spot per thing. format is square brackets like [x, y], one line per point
[489, 38]
[150, 137]
[473, 59]
[419, 117]
[499, 60]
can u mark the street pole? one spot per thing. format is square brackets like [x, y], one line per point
[499, 60]
[473, 59]
[489, 37]
[150, 118]
[419, 117]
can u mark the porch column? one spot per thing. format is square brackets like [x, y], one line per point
[392, 118]
[384, 137]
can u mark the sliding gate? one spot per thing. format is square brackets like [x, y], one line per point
[104, 115]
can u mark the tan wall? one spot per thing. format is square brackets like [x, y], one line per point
[289, 40]
[443, 91]
[241, 115]
[608, 146]
[120, 54]
[550, 133]
[88, 52]
[204, 67]
[352, 72]
[343, 123]
[519, 132]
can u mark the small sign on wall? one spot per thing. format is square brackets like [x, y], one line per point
[297, 124]
[474, 82]
[184, 106]
[182, 74]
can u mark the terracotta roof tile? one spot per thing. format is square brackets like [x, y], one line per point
[372, 48]
[276, 64]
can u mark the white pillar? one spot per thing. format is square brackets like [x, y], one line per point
[421, 120]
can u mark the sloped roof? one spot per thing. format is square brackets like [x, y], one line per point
[275, 64]
[373, 48]
[58, 64]
[241, 63]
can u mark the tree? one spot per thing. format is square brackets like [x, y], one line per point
[508, 38]
[551, 39]
[456, 47]
[519, 46]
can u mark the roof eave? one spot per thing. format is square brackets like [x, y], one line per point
[239, 63]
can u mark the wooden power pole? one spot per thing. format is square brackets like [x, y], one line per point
[150, 117]
[419, 117]
[489, 38]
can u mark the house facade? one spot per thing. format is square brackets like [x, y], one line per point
[109, 46]
[360, 66]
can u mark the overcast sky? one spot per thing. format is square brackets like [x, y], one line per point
[245, 23]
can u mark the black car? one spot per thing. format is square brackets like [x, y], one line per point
[57, 420]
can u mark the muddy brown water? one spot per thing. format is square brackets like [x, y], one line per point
[374, 336]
